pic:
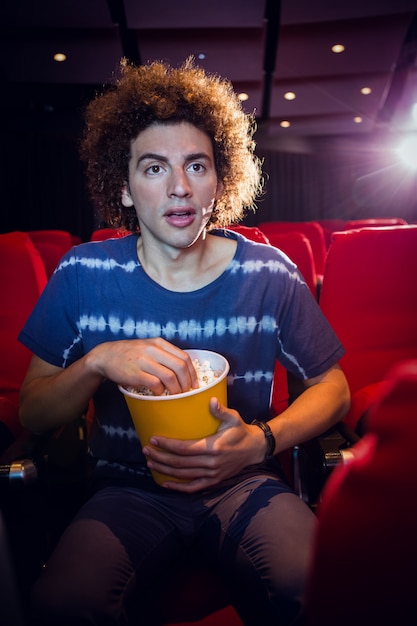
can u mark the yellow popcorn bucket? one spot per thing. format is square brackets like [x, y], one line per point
[180, 416]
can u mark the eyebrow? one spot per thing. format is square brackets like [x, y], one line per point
[159, 157]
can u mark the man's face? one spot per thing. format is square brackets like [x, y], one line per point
[172, 183]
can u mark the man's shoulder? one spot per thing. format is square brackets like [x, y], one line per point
[251, 249]
[101, 255]
[245, 242]
[111, 247]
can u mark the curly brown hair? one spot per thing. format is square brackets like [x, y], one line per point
[158, 93]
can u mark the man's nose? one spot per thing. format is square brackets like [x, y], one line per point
[179, 184]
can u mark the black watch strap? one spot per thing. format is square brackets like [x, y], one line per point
[270, 439]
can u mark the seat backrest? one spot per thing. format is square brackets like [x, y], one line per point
[251, 232]
[51, 254]
[52, 245]
[369, 296]
[298, 248]
[59, 237]
[330, 226]
[100, 234]
[311, 229]
[364, 566]
[373, 222]
[22, 279]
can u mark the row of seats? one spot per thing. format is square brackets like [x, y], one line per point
[307, 241]
[358, 269]
[368, 294]
[22, 280]
[319, 234]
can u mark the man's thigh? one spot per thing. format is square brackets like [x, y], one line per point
[261, 534]
[117, 542]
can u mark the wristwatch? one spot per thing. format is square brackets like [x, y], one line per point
[270, 439]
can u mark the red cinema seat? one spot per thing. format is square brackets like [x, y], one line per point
[61, 238]
[331, 226]
[312, 230]
[250, 232]
[373, 222]
[52, 245]
[364, 566]
[108, 233]
[22, 279]
[298, 248]
[369, 296]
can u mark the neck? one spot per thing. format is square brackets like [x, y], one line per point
[177, 269]
[187, 269]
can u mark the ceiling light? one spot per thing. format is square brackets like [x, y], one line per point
[290, 95]
[285, 124]
[60, 57]
[243, 96]
[366, 91]
[358, 119]
[338, 48]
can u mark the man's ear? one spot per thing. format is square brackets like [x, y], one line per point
[126, 197]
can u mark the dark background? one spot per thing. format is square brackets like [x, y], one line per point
[323, 166]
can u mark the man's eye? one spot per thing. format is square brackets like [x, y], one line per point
[154, 169]
[196, 167]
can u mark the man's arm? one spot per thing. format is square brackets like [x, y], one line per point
[205, 462]
[324, 402]
[52, 396]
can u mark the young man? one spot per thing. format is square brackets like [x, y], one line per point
[170, 157]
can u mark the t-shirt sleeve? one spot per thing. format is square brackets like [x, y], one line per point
[307, 344]
[51, 331]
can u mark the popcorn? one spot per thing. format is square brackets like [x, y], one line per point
[205, 375]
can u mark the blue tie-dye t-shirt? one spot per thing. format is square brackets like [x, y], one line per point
[257, 311]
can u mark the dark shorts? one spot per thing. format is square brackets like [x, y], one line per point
[254, 528]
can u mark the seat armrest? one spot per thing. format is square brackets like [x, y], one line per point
[314, 460]
[56, 457]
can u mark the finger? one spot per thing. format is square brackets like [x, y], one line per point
[226, 416]
[175, 370]
[161, 446]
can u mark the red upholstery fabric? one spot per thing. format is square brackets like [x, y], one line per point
[52, 245]
[251, 232]
[364, 568]
[51, 255]
[298, 248]
[312, 230]
[22, 279]
[107, 233]
[224, 617]
[60, 237]
[369, 296]
[330, 226]
[374, 222]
